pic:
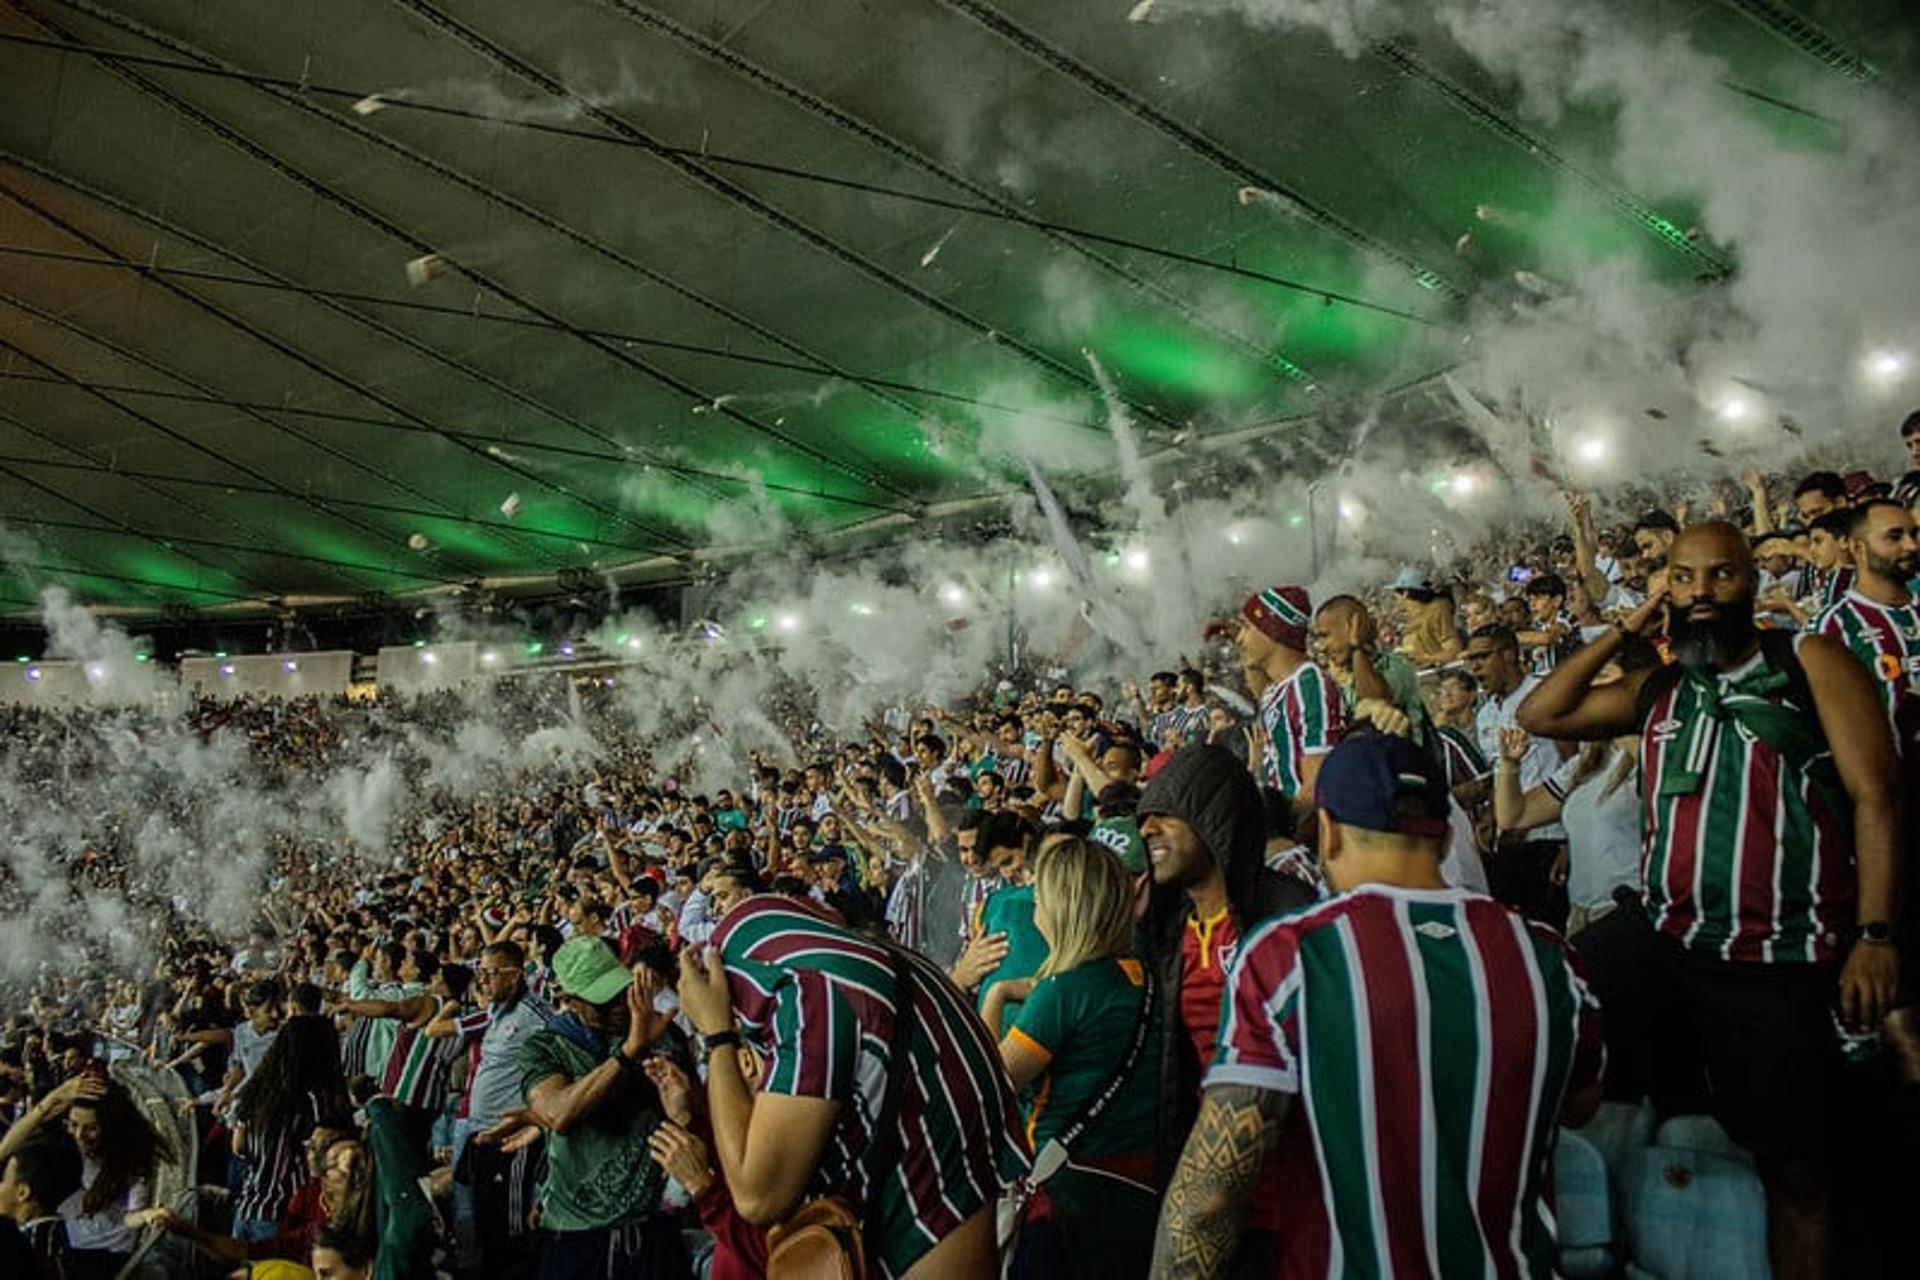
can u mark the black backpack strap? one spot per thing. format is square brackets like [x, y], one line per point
[1656, 686]
[1781, 652]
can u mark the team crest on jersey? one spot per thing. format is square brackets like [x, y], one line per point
[1666, 731]
[1435, 930]
[1224, 956]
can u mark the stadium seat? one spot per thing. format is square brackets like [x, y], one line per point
[1695, 1214]
[1583, 1209]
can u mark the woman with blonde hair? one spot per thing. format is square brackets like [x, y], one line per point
[1090, 1088]
[1428, 634]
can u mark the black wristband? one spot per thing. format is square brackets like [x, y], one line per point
[626, 1063]
[719, 1039]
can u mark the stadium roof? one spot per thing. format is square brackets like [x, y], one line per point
[330, 299]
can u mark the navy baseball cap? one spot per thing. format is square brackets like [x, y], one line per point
[1379, 782]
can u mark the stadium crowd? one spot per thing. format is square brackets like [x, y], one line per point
[1325, 954]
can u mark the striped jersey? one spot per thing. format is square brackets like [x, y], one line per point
[419, 1068]
[1430, 1036]
[820, 1000]
[1752, 864]
[1305, 716]
[1189, 722]
[1459, 752]
[276, 1166]
[1826, 588]
[1886, 637]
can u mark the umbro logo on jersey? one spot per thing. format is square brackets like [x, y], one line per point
[1435, 930]
[1666, 730]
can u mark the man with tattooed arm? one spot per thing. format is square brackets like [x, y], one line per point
[1407, 1048]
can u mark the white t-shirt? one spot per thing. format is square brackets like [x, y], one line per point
[107, 1229]
[1542, 758]
[1462, 867]
[250, 1047]
[1603, 831]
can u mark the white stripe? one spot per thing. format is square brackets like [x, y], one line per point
[1364, 1079]
[1743, 816]
[1536, 983]
[1429, 1121]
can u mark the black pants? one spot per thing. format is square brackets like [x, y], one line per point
[1753, 1045]
[503, 1194]
[1520, 874]
[651, 1249]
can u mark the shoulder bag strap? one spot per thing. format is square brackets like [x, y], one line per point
[1093, 1108]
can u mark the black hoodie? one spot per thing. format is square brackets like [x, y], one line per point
[1205, 787]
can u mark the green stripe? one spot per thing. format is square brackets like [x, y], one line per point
[1726, 789]
[1794, 937]
[1313, 700]
[1453, 1036]
[1336, 1098]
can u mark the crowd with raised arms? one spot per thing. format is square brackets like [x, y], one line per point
[1308, 952]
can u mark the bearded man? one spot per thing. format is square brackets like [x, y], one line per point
[1769, 899]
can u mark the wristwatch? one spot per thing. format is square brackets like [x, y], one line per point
[719, 1039]
[1877, 932]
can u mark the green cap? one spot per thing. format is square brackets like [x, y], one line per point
[588, 970]
[1122, 836]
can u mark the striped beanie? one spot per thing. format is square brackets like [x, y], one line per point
[1282, 613]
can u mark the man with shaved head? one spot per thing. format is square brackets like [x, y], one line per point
[1763, 912]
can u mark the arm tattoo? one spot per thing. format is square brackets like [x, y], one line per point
[1206, 1203]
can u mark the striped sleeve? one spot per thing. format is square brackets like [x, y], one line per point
[815, 1039]
[1259, 1025]
[1560, 784]
[472, 1022]
[1321, 713]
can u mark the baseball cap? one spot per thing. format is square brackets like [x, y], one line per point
[1380, 782]
[587, 969]
[1122, 837]
[1410, 580]
[827, 853]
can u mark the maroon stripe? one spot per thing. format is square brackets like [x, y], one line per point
[1385, 977]
[1759, 855]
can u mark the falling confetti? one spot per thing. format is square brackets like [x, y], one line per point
[716, 404]
[1537, 285]
[424, 268]
[511, 507]
[368, 105]
[926, 259]
[418, 542]
[1464, 243]
[1140, 12]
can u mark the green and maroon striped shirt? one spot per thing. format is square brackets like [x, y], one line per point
[1430, 1036]
[1752, 864]
[820, 1000]
[1886, 638]
[1305, 716]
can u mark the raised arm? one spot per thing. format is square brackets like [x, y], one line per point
[1566, 705]
[1580, 508]
[1513, 809]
